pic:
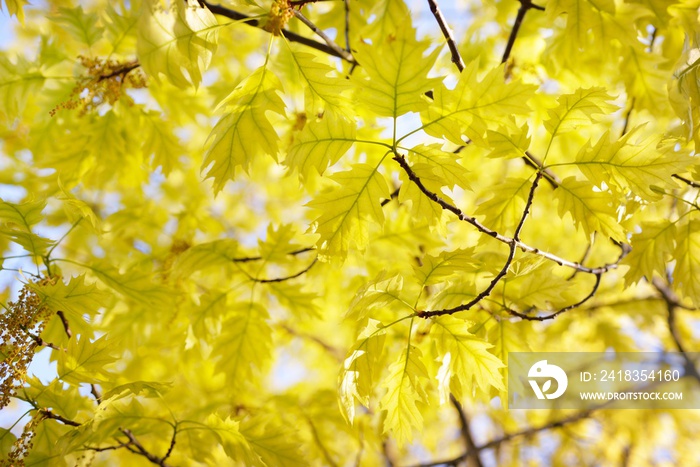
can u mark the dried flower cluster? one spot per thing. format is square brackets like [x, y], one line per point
[23, 445]
[105, 82]
[20, 328]
[280, 13]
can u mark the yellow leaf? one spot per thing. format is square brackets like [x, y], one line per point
[590, 210]
[321, 143]
[404, 387]
[651, 250]
[348, 211]
[466, 360]
[638, 167]
[176, 35]
[686, 275]
[361, 369]
[396, 74]
[577, 109]
[244, 132]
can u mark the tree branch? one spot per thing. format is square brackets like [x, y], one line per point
[286, 278]
[472, 453]
[672, 303]
[686, 181]
[492, 233]
[291, 36]
[339, 51]
[140, 450]
[518, 434]
[248, 259]
[525, 5]
[447, 32]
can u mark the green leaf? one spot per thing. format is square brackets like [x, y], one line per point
[227, 433]
[244, 132]
[466, 360]
[404, 387]
[320, 144]
[380, 292]
[506, 142]
[274, 443]
[82, 26]
[639, 167]
[361, 369]
[182, 36]
[651, 250]
[85, 361]
[577, 109]
[137, 388]
[687, 255]
[18, 82]
[17, 221]
[325, 92]
[475, 105]
[446, 265]
[136, 284]
[219, 254]
[76, 298]
[504, 209]
[590, 210]
[245, 345]
[349, 210]
[15, 7]
[396, 74]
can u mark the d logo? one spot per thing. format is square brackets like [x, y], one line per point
[542, 370]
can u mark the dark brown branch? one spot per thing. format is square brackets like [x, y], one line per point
[492, 233]
[339, 51]
[64, 322]
[589, 247]
[627, 118]
[140, 450]
[472, 453]
[39, 341]
[518, 434]
[504, 270]
[291, 36]
[447, 33]
[347, 24]
[562, 310]
[536, 164]
[394, 195]
[673, 303]
[525, 5]
[47, 413]
[286, 278]
[248, 259]
[686, 181]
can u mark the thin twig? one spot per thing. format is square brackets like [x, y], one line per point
[562, 310]
[504, 270]
[686, 181]
[339, 51]
[291, 36]
[469, 444]
[536, 164]
[447, 32]
[525, 5]
[47, 413]
[625, 126]
[492, 233]
[64, 322]
[518, 434]
[394, 194]
[140, 450]
[286, 278]
[248, 259]
[672, 303]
